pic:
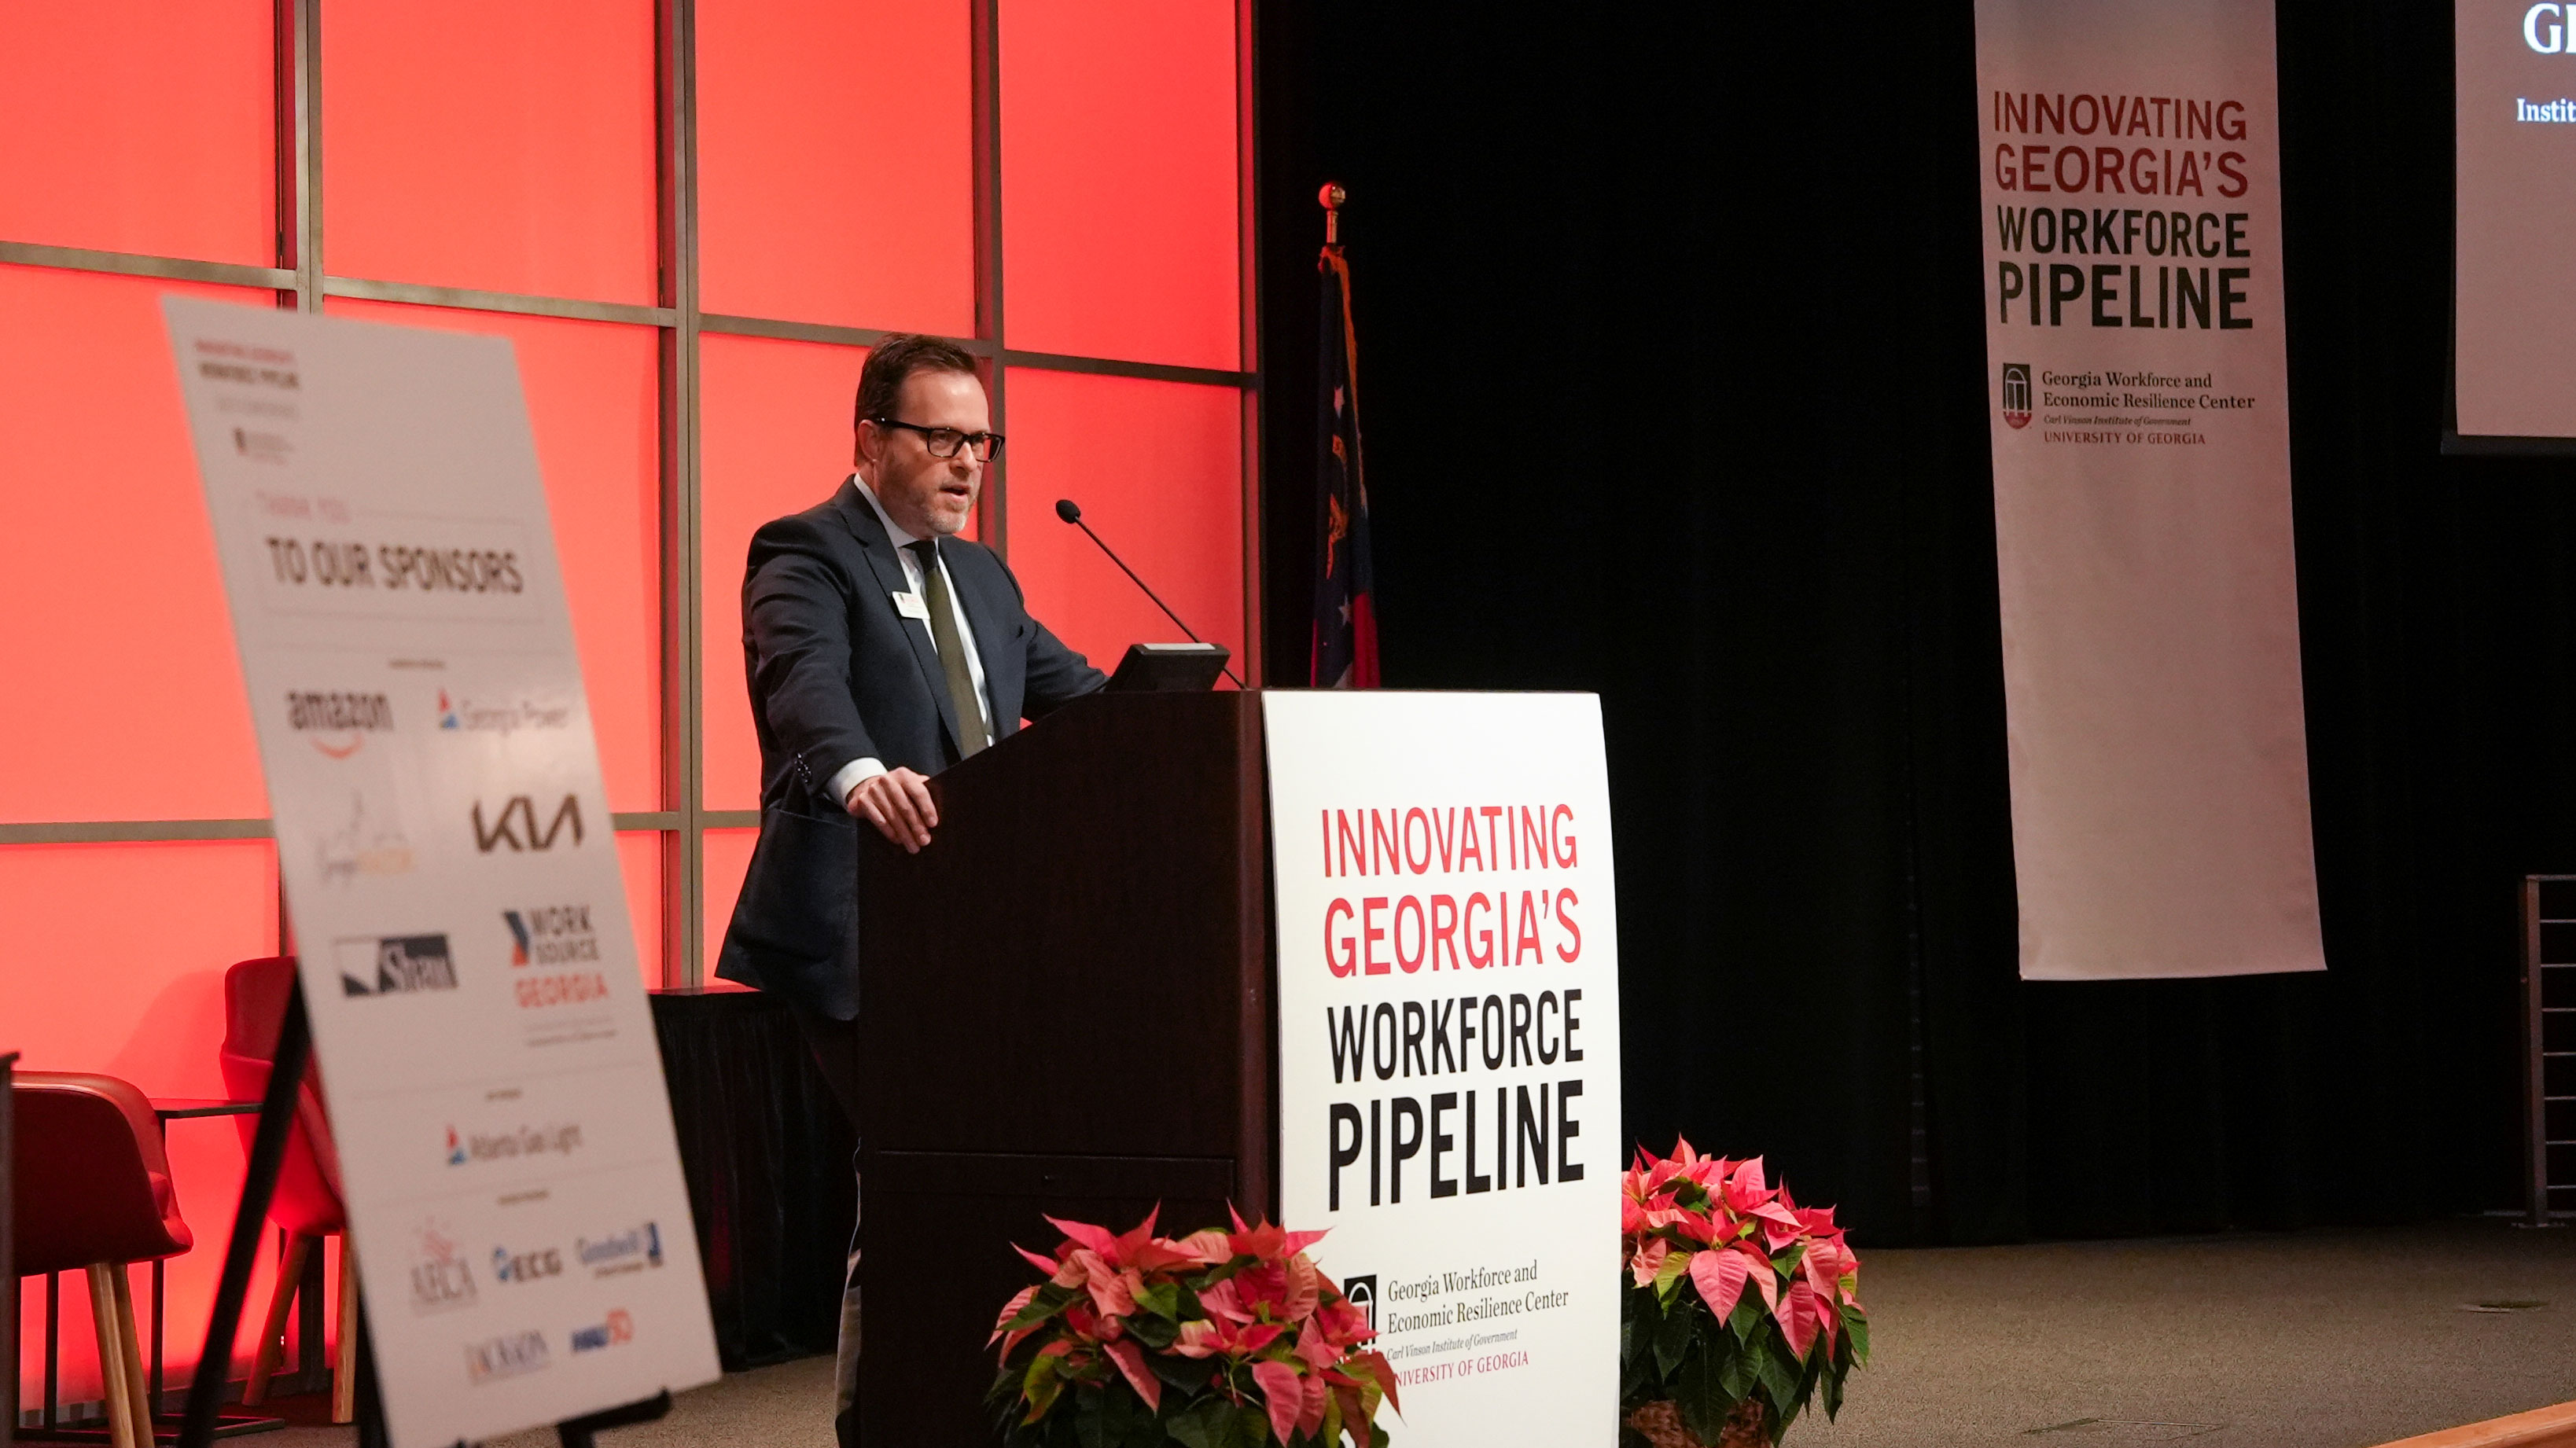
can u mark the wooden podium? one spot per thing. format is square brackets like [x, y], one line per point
[1064, 1009]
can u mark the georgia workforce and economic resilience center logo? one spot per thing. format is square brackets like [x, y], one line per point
[2016, 394]
[1361, 1292]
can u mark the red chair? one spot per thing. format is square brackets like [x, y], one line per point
[307, 1206]
[91, 1189]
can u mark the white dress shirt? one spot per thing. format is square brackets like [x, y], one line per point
[859, 771]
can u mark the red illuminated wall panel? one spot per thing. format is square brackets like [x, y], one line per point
[728, 856]
[1158, 470]
[140, 126]
[592, 389]
[130, 702]
[836, 167]
[775, 440]
[491, 144]
[115, 958]
[1119, 219]
[639, 859]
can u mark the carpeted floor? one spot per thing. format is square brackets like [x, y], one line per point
[2301, 1340]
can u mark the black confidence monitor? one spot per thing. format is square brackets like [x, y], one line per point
[1168, 669]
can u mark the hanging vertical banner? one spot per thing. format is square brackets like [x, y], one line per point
[1448, 1046]
[2134, 318]
[521, 1228]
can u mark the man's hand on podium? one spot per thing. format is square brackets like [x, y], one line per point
[898, 803]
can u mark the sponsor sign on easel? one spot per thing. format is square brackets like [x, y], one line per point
[479, 1025]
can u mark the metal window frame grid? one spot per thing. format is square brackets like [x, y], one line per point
[301, 283]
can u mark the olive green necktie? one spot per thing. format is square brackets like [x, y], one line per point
[973, 734]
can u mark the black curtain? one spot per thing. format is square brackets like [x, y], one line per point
[1674, 388]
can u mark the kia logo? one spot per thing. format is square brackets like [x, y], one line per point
[516, 825]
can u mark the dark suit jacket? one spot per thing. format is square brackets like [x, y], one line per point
[837, 674]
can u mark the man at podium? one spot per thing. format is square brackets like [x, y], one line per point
[880, 648]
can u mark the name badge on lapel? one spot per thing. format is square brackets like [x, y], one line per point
[912, 605]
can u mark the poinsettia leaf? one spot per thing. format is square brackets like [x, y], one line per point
[1207, 1423]
[1042, 1392]
[1747, 1318]
[1700, 1394]
[1154, 1332]
[1668, 1277]
[1856, 1327]
[1163, 1299]
[1833, 1393]
[1736, 1373]
[1673, 1338]
[1778, 1369]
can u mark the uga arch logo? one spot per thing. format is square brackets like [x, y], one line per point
[2017, 394]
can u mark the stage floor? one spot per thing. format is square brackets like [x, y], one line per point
[2320, 1339]
[2317, 1339]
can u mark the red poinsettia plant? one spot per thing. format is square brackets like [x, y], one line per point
[1216, 1340]
[1743, 1305]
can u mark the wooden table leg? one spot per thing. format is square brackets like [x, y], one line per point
[344, 1354]
[130, 1342]
[111, 1357]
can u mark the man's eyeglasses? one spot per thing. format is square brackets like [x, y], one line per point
[944, 442]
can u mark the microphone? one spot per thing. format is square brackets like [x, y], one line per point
[1071, 512]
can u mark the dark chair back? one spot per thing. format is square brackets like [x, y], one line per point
[90, 1182]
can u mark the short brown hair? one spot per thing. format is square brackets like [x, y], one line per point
[891, 363]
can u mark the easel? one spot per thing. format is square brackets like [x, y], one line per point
[259, 1184]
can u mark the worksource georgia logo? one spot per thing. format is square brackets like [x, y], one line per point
[2016, 394]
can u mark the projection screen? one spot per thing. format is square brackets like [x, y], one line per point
[2513, 306]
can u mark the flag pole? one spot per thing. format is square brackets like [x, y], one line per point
[1331, 199]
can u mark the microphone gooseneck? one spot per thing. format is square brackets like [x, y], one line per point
[1071, 512]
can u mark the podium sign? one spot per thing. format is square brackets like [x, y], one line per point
[504, 1134]
[1448, 1045]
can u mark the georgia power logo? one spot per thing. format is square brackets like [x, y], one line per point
[472, 717]
[2017, 394]
[339, 723]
